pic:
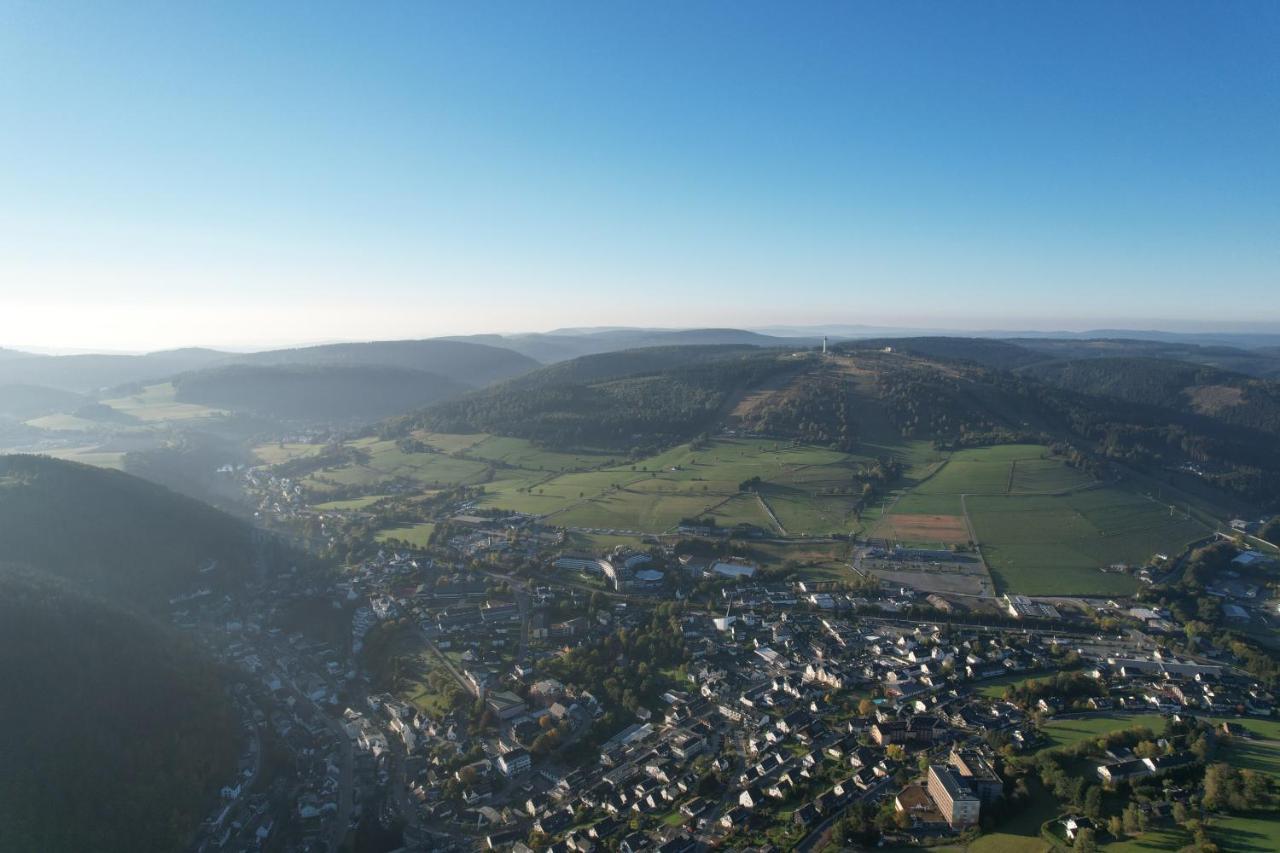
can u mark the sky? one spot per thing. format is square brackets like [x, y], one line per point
[244, 173]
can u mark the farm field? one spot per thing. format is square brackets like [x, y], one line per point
[1049, 545]
[1044, 528]
[520, 453]
[91, 455]
[68, 423]
[386, 462]
[159, 403]
[274, 454]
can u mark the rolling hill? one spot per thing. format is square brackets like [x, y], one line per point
[116, 732]
[86, 374]
[953, 393]
[562, 345]
[1221, 395]
[338, 393]
[21, 402]
[640, 399]
[114, 535]
[470, 364]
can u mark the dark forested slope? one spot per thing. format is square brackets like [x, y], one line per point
[115, 735]
[623, 401]
[342, 393]
[467, 363]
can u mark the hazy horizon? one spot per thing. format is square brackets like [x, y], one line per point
[246, 176]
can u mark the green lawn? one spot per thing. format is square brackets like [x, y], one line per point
[414, 534]
[1021, 832]
[1247, 834]
[1164, 838]
[1067, 732]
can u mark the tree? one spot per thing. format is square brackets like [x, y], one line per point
[1093, 802]
[1271, 531]
[866, 708]
[1115, 826]
[1086, 841]
[1180, 813]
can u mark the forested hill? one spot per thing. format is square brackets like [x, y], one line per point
[625, 401]
[941, 390]
[632, 362]
[338, 393]
[115, 535]
[467, 363]
[115, 731]
[115, 735]
[1218, 394]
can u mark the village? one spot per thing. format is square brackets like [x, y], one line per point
[777, 715]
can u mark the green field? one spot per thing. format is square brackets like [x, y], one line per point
[159, 403]
[1238, 834]
[90, 456]
[1021, 832]
[386, 462]
[1046, 528]
[1050, 545]
[810, 490]
[1067, 732]
[414, 534]
[274, 454]
[1161, 838]
[353, 504]
[67, 423]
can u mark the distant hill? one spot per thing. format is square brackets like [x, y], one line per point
[1180, 386]
[340, 393]
[1255, 362]
[984, 351]
[470, 364]
[22, 402]
[554, 347]
[87, 374]
[631, 362]
[115, 733]
[115, 535]
[640, 399]
[1161, 416]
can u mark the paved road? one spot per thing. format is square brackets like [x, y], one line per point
[815, 835]
[346, 783]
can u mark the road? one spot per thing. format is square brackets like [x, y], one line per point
[815, 835]
[346, 781]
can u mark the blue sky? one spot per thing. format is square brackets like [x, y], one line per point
[250, 173]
